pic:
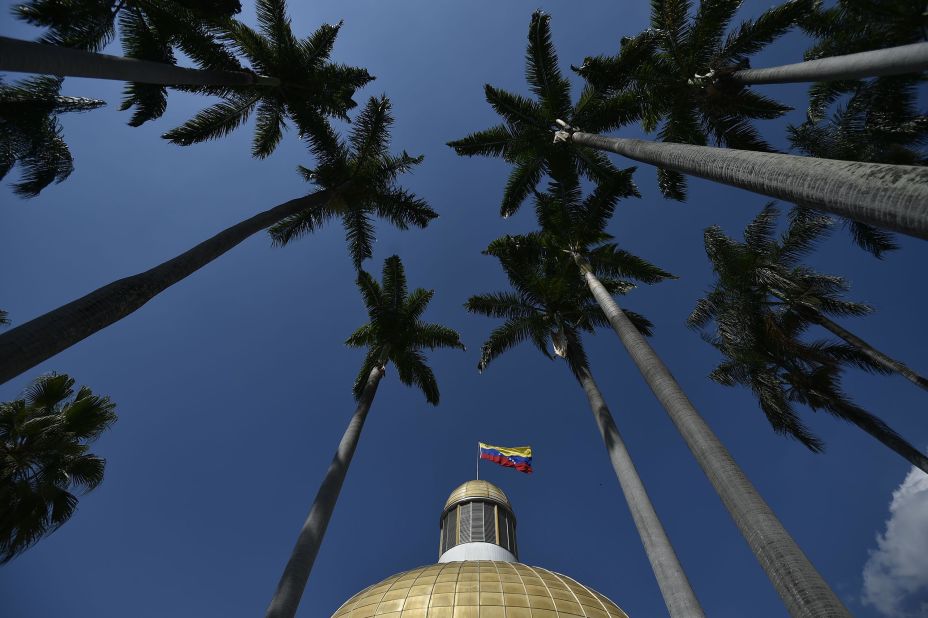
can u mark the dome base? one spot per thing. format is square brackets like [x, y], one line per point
[476, 551]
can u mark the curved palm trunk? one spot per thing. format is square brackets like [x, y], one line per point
[292, 583]
[801, 587]
[35, 341]
[891, 61]
[678, 595]
[894, 197]
[27, 57]
[874, 354]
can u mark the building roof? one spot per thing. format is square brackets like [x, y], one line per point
[477, 489]
[484, 589]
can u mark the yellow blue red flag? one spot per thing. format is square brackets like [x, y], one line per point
[518, 457]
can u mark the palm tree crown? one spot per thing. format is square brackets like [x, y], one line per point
[148, 29]
[44, 440]
[30, 133]
[524, 138]
[311, 87]
[548, 302]
[762, 303]
[765, 273]
[676, 71]
[362, 175]
[396, 333]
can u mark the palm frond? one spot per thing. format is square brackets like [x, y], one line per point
[515, 108]
[493, 142]
[541, 67]
[269, 125]
[434, 336]
[522, 181]
[216, 121]
[394, 282]
[359, 234]
[752, 36]
[413, 371]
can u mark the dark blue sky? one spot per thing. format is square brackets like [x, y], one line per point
[234, 386]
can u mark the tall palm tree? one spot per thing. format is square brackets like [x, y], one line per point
[44, 457]
[150, 31]
[765, 274]
[548, 303]
[575, 232]
[524, 137]
[356, 181]
[893, 197]
[394, 334]
[795, 579]
[31, 135]
[663, 69]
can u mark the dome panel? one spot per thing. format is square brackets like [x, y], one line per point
[479, 589]
[477, 489]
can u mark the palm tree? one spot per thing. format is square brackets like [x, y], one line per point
[764, 274]
[548, 303]
[394, 334]
[663, 69]
[894, 197]
[763, 352]
[30, 133]
[4, 318]
[356, 181]
[150, 31]
[524, 137]
[310, 87]
[801, 587]
[288, 78]
[44, 442]
[576, 230]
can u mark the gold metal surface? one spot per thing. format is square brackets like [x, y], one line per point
[479, 589]
[477, 489]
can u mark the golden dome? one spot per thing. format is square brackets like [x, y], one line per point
[479, 589]
[477, 489]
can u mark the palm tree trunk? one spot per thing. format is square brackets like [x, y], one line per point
[874, 354]
[894, 197]
[27, 57]
[678, 595]
[891, 61]
[38, 340]
[801, 587]
[292, 583]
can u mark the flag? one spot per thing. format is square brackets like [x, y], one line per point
[518, 457]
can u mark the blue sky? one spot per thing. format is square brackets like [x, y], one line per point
[234, 386]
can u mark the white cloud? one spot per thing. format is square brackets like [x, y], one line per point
[896, 572]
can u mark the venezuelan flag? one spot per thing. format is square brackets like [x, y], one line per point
[518, 457]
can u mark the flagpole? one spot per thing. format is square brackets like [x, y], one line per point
[478, 461]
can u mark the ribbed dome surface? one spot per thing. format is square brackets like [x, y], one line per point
[481, 589]
[477, 489]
